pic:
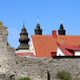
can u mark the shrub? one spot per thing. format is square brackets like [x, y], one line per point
[24, 78]
[63, 75]
[16, 62]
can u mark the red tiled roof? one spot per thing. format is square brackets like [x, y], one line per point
[65, 51]
[69, 40]
[45, 44]
[74, 48]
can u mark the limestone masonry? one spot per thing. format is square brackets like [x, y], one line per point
[13, 66]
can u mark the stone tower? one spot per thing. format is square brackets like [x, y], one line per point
[3, 33]
[7, 53]
[61, 31]
[23, 39]
[38, 30]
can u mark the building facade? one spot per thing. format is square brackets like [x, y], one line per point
[57, 44]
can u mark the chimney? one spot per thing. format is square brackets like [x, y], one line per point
[54, 33]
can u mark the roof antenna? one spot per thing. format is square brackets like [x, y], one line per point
[61, 19]
[37, 18]
[23, 23]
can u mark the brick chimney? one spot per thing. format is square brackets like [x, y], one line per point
[54, 33]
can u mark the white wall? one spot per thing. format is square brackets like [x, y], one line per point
[77, 53]
[59, 52]
[22, 51]
[32, 49]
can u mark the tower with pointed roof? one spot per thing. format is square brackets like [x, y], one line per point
[61, 31]
[38, 30]
[23, 39]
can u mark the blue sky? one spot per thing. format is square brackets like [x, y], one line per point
[14, 12]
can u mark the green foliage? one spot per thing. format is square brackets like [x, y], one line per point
[63, 75]
[24, 78]
[16, 62]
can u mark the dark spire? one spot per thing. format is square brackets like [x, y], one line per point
[38, 30]
[23, 39]
[61, 31]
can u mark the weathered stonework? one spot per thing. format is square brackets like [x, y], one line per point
[6, 53]
[13, 67]
[37, 68]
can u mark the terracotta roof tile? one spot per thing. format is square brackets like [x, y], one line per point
[65, 51]
[69, 40]
[44, 45]
[74, 48]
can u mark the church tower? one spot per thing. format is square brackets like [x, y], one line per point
[38, 30]
[61, 31]
[23, 39]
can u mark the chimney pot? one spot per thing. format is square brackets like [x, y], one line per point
[54, 33]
